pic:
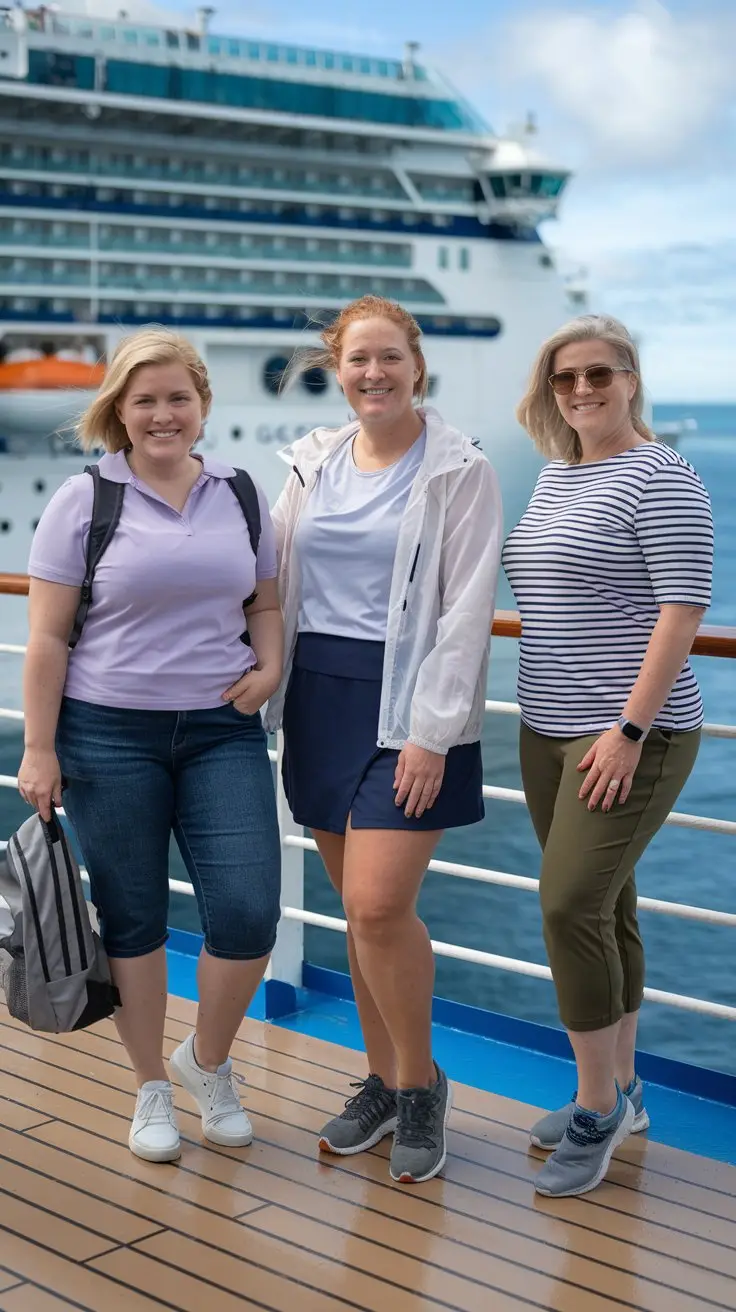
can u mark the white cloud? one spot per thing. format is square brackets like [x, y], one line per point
[641, 85]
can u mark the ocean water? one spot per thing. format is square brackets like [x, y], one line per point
[681, 865]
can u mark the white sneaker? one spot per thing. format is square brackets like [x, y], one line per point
[154, 1133]
[223, 1118]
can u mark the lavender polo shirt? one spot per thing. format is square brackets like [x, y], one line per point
[163, 631]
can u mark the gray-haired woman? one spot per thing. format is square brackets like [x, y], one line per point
[611, 568]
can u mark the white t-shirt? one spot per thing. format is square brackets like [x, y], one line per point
[346, 543]
[599, 549]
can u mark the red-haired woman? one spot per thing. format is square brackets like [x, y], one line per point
[389, 534]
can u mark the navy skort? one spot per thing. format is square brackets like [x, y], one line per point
[332, 768]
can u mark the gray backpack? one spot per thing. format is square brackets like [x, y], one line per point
[53, 967]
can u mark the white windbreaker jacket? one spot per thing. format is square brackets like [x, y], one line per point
[442, 590]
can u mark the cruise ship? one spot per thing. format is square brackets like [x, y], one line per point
[242, 191]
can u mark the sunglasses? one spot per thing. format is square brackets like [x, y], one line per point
[598, 376]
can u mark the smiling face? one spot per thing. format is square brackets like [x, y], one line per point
[601, 418]
[162, 412]
[377, 370]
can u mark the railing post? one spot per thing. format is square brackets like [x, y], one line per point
[284, 974]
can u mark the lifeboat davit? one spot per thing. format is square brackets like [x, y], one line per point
[43, 397]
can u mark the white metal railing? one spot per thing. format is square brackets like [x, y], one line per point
[287, 959]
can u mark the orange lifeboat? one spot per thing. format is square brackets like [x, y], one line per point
[49, 373]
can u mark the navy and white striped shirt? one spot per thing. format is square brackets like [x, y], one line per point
[599, 549]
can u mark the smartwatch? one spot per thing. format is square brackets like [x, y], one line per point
[630, 730]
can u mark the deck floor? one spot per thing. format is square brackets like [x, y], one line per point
[83, 1224]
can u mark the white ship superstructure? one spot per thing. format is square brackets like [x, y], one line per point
[242, 191]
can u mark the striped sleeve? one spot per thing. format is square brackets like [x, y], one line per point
[674, 527]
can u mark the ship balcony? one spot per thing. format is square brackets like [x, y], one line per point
[206, 177]
[129, 282]
[40, 244]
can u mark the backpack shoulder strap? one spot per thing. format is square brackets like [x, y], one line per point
[106, 507]
[245, 490]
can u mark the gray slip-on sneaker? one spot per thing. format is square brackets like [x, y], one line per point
[420, 1142]
[548, 1132]
[368, 1117]
[584, 1155]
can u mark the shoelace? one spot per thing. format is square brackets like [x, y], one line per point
[416, 1119]
[372, 1098]
[584, 1130]
[155, 1105]
[224, 1099]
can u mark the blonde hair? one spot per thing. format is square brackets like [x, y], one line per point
[333, 335]
[100, 424]
[539, 413]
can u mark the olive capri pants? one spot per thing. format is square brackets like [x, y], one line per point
[587, 885]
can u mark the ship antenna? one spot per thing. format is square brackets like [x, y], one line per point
[411, 49]
[204, 17]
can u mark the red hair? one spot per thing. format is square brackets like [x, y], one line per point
[333, 336]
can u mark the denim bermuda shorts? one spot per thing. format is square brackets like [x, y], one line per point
[131, 778]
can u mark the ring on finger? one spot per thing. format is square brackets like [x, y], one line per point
[614, 784]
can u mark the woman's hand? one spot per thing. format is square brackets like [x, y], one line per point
[39, 781]
[252, 692]
[611, 764]
[418, 779]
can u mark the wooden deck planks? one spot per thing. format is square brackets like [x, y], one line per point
[275, 1226]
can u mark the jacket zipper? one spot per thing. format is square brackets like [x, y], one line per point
[412, 573]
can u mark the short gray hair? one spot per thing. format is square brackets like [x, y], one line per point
[539, 413]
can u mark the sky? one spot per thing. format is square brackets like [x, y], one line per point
[636, 97]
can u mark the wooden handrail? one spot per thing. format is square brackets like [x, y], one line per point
[711, 640]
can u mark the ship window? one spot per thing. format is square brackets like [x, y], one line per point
[107, 34]
[347, 64]
[213, 45]
[442, 257]
[464, 260]
[172, 40]
[292, 56]
[329, 59]
[366, 66]
[273, 372]
[130, 37]
[272, 54]
[314, 381]
[310, 58]
[192, 41]
[254, 52]
[152, 39]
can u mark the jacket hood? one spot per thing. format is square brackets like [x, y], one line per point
[446, 447]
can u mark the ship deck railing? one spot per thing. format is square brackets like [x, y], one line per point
[287, 961]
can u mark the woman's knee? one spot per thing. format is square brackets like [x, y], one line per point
[373, 915]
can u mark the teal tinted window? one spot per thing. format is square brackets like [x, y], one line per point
[272, 54]
[310, 58]
[254, 52]
[292, 56]
[203, 85]
[213, 45]
[49, 68]
[130, 38]
[329, 60]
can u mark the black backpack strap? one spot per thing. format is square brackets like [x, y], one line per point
[245, 490]
[106, 507]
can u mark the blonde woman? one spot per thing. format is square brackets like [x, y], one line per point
[389, 533]
[611, 567]
[150, 724]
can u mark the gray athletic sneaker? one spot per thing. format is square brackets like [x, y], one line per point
[549, 1131]
[420, 1144]
[368, 1116]
[583, 1157]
